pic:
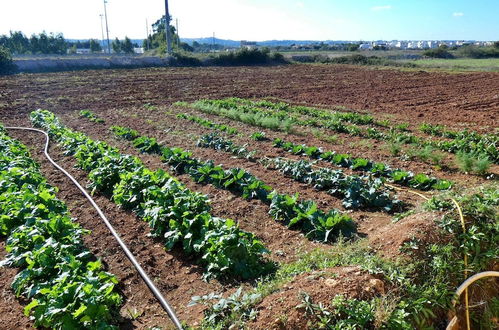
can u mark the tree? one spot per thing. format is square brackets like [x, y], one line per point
[6, 65]
[353, 47]
[48, 43]
[18, 43]
[158, 39]
[95, 46]
[116, 45]
[42, 43]
[127, 46]
[186, 47]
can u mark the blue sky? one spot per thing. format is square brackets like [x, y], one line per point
[263, 19]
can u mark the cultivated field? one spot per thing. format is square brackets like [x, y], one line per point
[362, 147]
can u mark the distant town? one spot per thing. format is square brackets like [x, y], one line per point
[378, 44]
[337, 44]
[420, 44]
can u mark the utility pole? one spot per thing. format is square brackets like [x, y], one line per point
[107, 29]
[178, 35]
[102, 29]
[167, 29]
[147, 35]
[213, 43]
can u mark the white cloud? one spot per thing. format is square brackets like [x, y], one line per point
[457, 14]
[299, 4]
[378, 8]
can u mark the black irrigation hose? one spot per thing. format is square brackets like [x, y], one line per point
[143, 274]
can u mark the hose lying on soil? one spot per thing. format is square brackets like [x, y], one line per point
[464, 286]
[169, 310]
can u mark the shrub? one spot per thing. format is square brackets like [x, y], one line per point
[478, 52]
[358, 59]
[246, 56]
[6, 65]
[186, 60]
[278, 57]
[440, 52]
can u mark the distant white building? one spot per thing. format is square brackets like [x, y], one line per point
[412, 45]
[83, 51]
[430, 44]
[401, 44]
[248, 44]
[365, 46]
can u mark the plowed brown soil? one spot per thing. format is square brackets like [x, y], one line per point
[118, 96]
[468, 98]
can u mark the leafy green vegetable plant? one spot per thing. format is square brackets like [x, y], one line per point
[324, 227]
[356, 192]
[176, 214]
[217, 142]
[236, 308]
[259, 136]
[67, 287]
[91, 116]
[361, 164]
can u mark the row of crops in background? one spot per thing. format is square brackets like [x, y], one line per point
[175, 214]
[295, 213]
[356, 192]
[428, 299]
[68, 288]
[217, 142]
[282, 116]
[419, 181]
[209, 124]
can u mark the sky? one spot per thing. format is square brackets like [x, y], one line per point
[259, 20]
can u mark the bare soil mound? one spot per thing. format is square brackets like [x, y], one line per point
[281, 310]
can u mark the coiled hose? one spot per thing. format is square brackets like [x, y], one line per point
[169, 310]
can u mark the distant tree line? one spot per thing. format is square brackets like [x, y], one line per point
[118, 46]
[17, 43]
[92, 44]
[469, 51]
[206, 47]
[123, 46]
[43, 43]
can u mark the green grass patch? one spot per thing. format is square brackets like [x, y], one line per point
[460, 64]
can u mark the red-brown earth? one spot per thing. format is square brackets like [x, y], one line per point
[468, 100]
